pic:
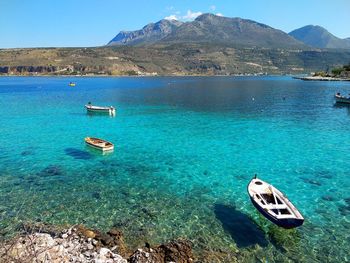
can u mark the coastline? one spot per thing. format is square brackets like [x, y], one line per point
[41, 242]
[147, 75]
[319, 78]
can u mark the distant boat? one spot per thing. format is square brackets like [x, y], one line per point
[98, 109]
[272, 204]
[72, 84]
[341, 99]
[99, 144]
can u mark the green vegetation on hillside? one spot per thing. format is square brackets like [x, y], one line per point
[345, 70]
[175, 59]
[339, 72]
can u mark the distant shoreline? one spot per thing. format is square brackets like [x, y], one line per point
[141, 76]
[304, 78]
[319, 78]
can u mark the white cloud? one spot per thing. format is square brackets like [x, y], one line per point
[219, 14]
[171, 17]
[191, 15]
[212, 7]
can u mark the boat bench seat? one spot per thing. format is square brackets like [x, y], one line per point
[285, 216]
[273, 206]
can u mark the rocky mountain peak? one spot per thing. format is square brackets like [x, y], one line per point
[149, 34]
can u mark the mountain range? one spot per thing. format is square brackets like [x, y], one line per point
[213, 29]
[209, 45]
[318, 37]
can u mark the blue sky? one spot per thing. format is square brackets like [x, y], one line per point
[72, 23]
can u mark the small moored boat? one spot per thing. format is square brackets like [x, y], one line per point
[99, 144]
[341, 99]
[98, 109]
[272, 204]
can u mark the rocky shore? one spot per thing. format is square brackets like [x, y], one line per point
[45, 243]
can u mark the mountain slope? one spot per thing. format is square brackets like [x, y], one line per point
[147, 35]
[316, 36]
[210, 28]
[177, 59]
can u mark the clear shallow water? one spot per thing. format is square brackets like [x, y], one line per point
[185, 149]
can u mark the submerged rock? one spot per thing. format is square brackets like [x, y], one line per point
[347, 200]
[88, 233]
[96, 195]
[113, 239]
[149, 212]
[31, 228]
[179, 251]
[328, 198]
[310, 181]
[51, 170]
[26, 153]
[118, 241]
[344, 210]
[325, 174]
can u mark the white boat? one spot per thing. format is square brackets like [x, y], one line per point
[272, 204]
[99, 144]
[341, 99]
[98, 109]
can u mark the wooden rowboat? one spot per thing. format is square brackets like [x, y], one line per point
[341, 99]
[98, 109]
[272, 204]
[99, 144]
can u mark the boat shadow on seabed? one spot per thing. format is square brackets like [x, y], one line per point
[342, 106]
[241, 228]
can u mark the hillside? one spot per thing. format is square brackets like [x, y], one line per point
[342, 72]
[318, 37]
[177, 59]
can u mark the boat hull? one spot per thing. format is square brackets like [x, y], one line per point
[106, 110]
[273, 205]
[105, 148]
[285, 223]
[342, 100]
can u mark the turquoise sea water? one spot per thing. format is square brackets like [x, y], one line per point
[185, 150]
